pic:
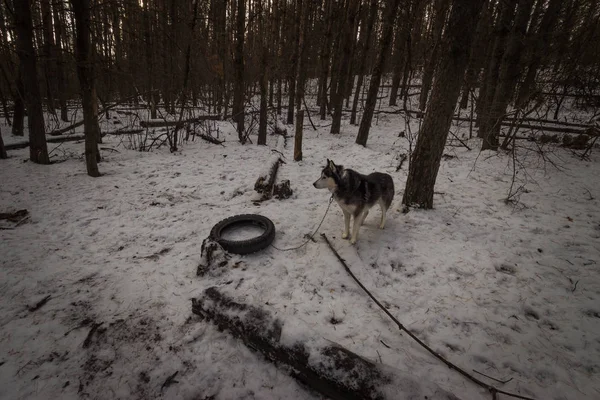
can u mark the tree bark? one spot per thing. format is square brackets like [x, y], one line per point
[401, 44]
[508, 76]
[298, 135]
[490, 77]
[300, 67]
[325, 59]
[48, 51]
[366, 43]
[264, 78]
[337, 101]
[3, 154]
[149, 60]
[18, 106]
[293, 63]
[85, 72]
[38, 150]
[441, 9]
[60, 64]
[427, 155]
[542, 42]
[238, 94]
[478, 52]
[386, 39]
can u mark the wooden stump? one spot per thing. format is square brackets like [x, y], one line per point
[264, 183]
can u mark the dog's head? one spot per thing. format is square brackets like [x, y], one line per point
[330, 176]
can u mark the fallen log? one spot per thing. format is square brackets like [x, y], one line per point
[322, 365]
[124, 132]
[211, 139]
[159, 123]
[563, 127]
[70, 138]
[59, 132]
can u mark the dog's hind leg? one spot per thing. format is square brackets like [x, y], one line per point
[358, 220]
[346, 225]
[383, 212]
[365, 217]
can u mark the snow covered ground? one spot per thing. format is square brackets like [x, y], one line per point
[511, 291]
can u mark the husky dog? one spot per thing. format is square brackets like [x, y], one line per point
[356, 194]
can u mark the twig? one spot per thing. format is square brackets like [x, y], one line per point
[110, 148]
[402, 159]
[494, 379]
[493, 390]
[308, 113]
[22, 368]
[169, 381]
[39, 304]
[461, 142]
[383, 343]
[211, 139]
[88, 339]
[574, 287]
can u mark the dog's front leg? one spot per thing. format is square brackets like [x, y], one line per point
[346, 225]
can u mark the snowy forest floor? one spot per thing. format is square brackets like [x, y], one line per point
[511, 290]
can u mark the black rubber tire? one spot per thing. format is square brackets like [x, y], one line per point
[244, 246]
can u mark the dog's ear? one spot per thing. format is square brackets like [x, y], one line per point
[330, 164]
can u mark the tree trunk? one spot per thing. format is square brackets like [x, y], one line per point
[426, 158]
[508, 76]
[441, 9]
[366, 43]
[238, 94]
[18, 106]
[490, 77]
[3, 154]
[325, 59]
[298, 135]
[400, 46]
[38, 150]
[264, 78]
[542, 42]
[85, 72]
[478, 52]
[48, 51]
[60, 65]
[293, 63]
[149, 60]
[337, 101]
[300, 67]
[386, 39]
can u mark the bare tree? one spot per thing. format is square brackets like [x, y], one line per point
[508, 76]
[388, 31]
[85, 72]
[238, 94]
[38, 150]
[264, 77]
[440, 12]
[337, 99]
[425, 160]
[366, 35]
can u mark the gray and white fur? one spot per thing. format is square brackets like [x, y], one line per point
[356, 193]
